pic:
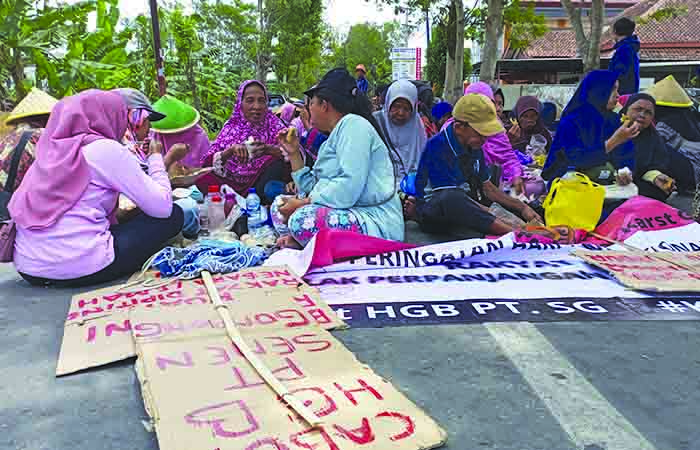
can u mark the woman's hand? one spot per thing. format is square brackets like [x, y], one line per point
[626, 132]
[291, 148]
[665, 183]
[514, 131]
[291, 188]
[519, 185]
[155, 148]
[290, 205]
[305, 118]
[239, 151]
[179, 151]
[176, 153]
[624, 179]
[259, 149]
[290, 142]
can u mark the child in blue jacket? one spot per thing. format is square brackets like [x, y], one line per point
[625, 61]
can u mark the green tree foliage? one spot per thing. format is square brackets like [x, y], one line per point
[369, 44]
[437, 58]
[28, 33]
[95, 58]
[296, 53]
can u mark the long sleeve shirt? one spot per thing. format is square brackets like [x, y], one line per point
[80, 242]
[354, 171]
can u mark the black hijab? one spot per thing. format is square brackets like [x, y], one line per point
[650, 152]
[683, 120]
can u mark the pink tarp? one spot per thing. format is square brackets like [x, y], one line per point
[333, 246]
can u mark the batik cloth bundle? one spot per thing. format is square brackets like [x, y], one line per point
[212, 256]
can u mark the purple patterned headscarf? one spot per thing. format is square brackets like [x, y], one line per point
[241, 176]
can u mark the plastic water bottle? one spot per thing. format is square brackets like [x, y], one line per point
[216, 213]
[213, 190]
[203, 218]
[252, 206]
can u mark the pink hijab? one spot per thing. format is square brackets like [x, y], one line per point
[237, 130]
[497, 149]
[60, 174]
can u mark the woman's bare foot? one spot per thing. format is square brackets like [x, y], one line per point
[409, 209]
[289, 242]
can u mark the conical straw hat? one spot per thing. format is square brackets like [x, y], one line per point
[179, 116]
[36, 103]
[668, 92]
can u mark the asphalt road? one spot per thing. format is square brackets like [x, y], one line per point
[560, 386]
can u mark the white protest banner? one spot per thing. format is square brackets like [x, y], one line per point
[477, 280]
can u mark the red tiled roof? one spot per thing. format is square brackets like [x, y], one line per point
[660, 39]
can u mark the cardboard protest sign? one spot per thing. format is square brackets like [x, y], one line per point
[98, 328]
[201, 393]
[648, 272]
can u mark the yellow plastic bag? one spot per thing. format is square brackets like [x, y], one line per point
[575, 202]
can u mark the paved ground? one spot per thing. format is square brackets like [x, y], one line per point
[562, 386]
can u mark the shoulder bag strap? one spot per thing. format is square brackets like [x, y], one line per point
[14, 164]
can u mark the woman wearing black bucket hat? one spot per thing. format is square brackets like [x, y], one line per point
[351, 186]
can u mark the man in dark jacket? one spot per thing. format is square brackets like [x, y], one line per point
[625, 61]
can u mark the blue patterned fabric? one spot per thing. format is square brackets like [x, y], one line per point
[210, 255]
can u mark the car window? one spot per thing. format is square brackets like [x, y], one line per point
[275, 101]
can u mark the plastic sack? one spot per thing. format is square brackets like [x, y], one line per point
[576, 202]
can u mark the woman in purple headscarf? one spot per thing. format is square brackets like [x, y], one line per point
[528, 115]
[497, 149]
[251, 126]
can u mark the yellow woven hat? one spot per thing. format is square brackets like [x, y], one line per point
[36, 103]
[668, 92]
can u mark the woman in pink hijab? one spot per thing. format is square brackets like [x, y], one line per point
[63, 211]
[497, 149]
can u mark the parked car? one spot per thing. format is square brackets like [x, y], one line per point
[275, 101]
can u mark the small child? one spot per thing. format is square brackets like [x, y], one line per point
[625, 61]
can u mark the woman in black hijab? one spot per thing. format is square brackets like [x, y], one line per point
[658, 169]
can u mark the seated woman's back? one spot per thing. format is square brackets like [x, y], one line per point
[64, 213]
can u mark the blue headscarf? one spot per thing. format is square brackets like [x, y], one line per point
[585, 125]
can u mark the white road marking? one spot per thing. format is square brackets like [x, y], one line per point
[581, 410]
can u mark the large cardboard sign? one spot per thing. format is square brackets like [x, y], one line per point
[201, 393]
[649, 272]
[99, 328]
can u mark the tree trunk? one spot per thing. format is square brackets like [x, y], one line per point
[592, 60]
[17, 72]
[454, 69]
[192, 81]
[260, 66]
[587, 46]
[494, 30]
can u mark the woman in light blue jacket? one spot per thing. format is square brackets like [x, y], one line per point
[352, 186]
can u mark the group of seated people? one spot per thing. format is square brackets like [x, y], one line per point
[347, 166]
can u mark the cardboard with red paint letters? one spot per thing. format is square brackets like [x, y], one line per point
[98, 327]
[647, 272]
[201, 393]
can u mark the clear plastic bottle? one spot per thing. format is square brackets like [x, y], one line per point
[216, 213]
[213, 190]
[254, 211]
[203, 218]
